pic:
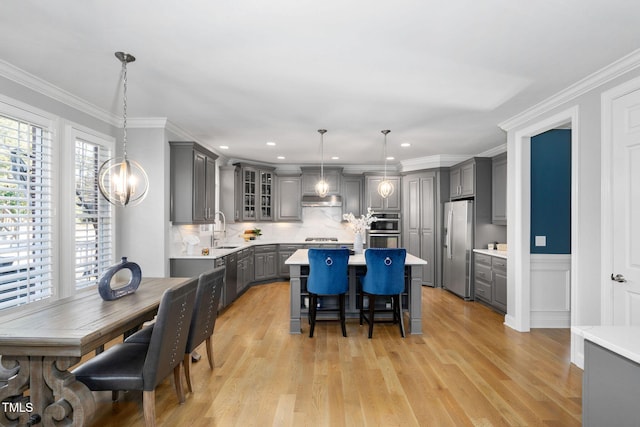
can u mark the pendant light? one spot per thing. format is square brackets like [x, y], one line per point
[322, 187]
[385, 188]
[123, 181]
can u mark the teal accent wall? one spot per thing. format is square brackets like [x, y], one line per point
[551, 191]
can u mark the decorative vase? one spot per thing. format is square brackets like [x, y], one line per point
[358, 244]
[104, 285]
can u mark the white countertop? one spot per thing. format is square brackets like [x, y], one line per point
[492, 252]
[623, 340]
[216, 252]
[301, 257]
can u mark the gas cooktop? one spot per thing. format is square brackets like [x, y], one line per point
[321, 239]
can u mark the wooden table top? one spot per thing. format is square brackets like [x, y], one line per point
[79, 324]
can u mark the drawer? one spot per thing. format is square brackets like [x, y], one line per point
[483, 259]
[483, 272]
[290, 248]
[265, 248]
[483, 290]
[499, 264]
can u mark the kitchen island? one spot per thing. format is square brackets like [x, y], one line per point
[412, 299]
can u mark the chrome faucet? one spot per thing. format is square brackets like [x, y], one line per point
[224, 228]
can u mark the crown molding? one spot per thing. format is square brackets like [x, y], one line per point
[502, 148]
[616, 69]
[431, 162]
[45, 88]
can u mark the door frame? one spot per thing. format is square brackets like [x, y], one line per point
[519, 213]
[606, 228]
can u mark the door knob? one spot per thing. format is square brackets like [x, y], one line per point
[618, 278]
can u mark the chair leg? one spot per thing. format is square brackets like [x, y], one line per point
[149, 408]
[398, 311]
[178, 383]
[372, 304]
[361, 307]
[186, 361]
[313, 306]
[209, 345]
[342, 316]
[114, 395]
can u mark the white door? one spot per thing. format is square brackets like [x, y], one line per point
[625, 209]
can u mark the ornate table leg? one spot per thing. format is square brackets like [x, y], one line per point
[15, 407]
[73, 403]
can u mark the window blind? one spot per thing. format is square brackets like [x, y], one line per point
[93, 225]
[25, 213]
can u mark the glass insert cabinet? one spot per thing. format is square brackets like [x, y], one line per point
[256, 193]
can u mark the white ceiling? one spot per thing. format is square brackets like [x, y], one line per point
[440, 74]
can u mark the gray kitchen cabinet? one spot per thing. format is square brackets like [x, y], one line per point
[255, 188]
[311, 176]
[245, 269]
[284, 252]
[423, 195]
[192, 182]
[419, 220]
[288, 198]
[610, 388]
[265, 262]
[375, 201]
[352, 192]
[490, 280]
[465, 177]
[499, 189]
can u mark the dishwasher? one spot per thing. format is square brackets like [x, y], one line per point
[221, 262]
[231, 278]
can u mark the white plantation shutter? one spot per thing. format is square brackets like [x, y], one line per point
[93, 224]
[26, 214]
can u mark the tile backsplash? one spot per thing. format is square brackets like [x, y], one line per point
[316, 222]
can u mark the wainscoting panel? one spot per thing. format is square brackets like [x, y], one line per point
[550, 291]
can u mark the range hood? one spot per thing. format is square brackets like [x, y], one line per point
[317, 201]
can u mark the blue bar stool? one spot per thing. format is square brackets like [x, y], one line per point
[328, 275]
[385, 277]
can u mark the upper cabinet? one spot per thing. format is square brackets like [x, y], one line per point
[499, 190]
[192, 183]
[375, 201]
[288, 198]
[464, 177]
[255, 190]
[311, 176]
[352, 191]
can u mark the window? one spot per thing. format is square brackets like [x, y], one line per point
[25, 212]
[93, 226]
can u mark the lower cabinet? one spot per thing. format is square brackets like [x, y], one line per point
[284, 252]
[245, 269]
[265, 262]
[490, 281]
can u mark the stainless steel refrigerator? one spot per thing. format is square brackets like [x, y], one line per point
[458, 247]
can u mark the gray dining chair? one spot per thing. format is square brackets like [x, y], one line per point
[203, 320]
[142, 366]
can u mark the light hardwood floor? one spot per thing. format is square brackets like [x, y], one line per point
[467, 369]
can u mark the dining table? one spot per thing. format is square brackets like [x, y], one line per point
[299, 261]
[44, 340]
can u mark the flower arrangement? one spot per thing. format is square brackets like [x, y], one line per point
[362, 223]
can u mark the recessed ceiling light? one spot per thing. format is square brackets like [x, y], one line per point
[281, 157]
[390, 158]
[405, 144]
[271, 143]
[224, 147]
[335, 158]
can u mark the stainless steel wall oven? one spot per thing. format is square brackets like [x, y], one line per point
[385, 232]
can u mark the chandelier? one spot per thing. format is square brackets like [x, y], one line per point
[385, 188]
[123, 181]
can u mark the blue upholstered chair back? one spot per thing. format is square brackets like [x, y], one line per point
[385, 271]
[328, 271]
